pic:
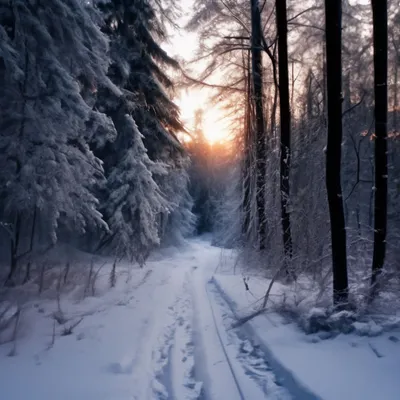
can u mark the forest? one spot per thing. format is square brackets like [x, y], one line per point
[105, 167]
[89, 152]
[311, 180]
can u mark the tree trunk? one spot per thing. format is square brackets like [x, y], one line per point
[309, 98]
[28, 266]
[395, 94]
[396, 79]
[248, 149]
[285, 121]
[324, 83]
[256, 46]
[14, 240]
[14, 244]
[380, 32]
[333, 19]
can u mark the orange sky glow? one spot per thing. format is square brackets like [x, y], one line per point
[183, 45]
[214, 125]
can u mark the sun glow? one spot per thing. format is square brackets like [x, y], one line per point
[183, 45]
[214, 126]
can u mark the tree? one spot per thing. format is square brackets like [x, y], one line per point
[261, 151]
[134, 200]
[380, 33]
[179, 222]
[49, 53]
[285, 121]
[200, 175]
[333, 21]
[137, 66]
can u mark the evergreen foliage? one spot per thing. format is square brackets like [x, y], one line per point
[88, 129]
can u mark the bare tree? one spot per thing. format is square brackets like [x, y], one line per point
[333, 21]
[256, 47]
[380, 32]
[285, 122]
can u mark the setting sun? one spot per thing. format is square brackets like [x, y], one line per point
[214, 125]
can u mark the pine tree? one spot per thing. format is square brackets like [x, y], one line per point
[49, 53]
[134, 200]
[179, 221]
[137, 68]
[200, 174]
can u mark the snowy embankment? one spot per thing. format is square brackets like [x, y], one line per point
[363, 365]
[166, 332]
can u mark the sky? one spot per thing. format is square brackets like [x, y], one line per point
[183, 45]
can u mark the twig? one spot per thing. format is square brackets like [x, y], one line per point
[270, 286]
[67, 267]
[243, 320]
[69, 330]
[353, 106]
[13, 351]
[302, 12]
[53, 336]
[375, 351]
[94, 278]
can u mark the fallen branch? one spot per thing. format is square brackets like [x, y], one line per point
[68, 330]
[270, 286]
[263, 308]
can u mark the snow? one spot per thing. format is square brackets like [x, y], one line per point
[363, 365]
[168, 331]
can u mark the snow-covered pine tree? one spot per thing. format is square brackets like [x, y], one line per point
[179, 222]
[137, 68]
[138, 65]
[48, 54]
[134, 201]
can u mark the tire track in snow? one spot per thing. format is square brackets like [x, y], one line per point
[245, 358]
[213, 364]
[283, 378]
[228, 359]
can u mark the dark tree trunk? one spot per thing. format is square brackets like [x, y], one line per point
[396, 82]
[28, 266]
[324, 82]
[333, 19]
[309, 97]
[395, 101]
[380, 31]
[256, 47]
[14, 240]
[14, 244]
[285, 122]
[248, 148]
[274, 138]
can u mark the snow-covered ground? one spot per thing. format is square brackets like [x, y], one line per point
[169, 332]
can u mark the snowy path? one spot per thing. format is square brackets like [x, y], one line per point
[168, 337]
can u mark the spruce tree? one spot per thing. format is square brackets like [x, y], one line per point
[134, 200]
[49, 53]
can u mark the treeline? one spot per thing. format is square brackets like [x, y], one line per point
[312, 91]
[88, 147]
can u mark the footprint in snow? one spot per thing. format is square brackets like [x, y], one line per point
[119, 368]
